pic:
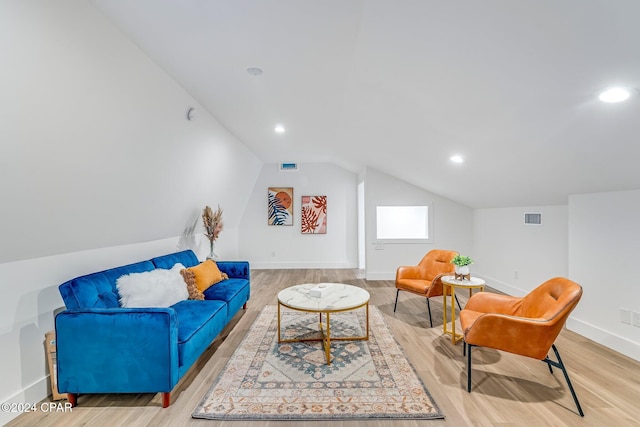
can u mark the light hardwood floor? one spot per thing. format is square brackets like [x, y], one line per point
[508, 390]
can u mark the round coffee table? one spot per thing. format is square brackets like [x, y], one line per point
[324, 298]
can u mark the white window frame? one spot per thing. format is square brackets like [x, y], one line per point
[405, 214]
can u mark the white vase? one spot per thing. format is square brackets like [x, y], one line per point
[462, 269]
[212, 252]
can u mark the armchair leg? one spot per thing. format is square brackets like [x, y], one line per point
[561, 366]
[429, 310]
[468, 347]
[459, 307]
[396, 304]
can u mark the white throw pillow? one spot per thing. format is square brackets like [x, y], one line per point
[155, 288]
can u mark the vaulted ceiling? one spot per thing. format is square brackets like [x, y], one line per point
[403, 85]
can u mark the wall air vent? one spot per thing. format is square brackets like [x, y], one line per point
[531, 218]
[288, 166]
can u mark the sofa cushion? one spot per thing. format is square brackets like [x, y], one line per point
[235, 292]
[199, 322]
[206, 274]
[156, 288]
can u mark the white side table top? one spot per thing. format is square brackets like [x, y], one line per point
[335, 297]
[473, 282]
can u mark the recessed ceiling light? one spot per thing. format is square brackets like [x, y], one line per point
[615, 94]
[456, 159]
[279, 129]
[254, 71]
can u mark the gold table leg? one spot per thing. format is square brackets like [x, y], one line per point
[453, 315]
[455, 337]
[326, 337]
[279, 338]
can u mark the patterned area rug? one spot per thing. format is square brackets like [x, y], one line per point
[265, 380]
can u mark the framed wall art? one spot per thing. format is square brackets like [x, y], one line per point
[280, 206]
[313, 218]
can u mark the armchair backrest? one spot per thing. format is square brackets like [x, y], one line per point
[437, 262]
[551, 301]
[527, 326]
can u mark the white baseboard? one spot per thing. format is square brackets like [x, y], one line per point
[380, 275]
[294, 265]
[33, 394]
[507, 288]
[614, 342]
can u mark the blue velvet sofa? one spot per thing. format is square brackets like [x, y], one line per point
[105, 348]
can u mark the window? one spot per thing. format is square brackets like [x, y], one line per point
[403, 224]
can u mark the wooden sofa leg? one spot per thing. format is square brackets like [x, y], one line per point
[166, 399]
[244, 307]
[73, 399]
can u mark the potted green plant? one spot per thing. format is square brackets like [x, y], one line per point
[462, 263]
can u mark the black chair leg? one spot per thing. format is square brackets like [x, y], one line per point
[429, 310]
[468, 367]
[561, 366]
[459, 307]
[396, 304]
[549, 364]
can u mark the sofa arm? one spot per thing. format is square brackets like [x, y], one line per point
[117, 350]
[235, 269]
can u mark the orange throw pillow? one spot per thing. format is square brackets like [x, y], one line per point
[206, 274]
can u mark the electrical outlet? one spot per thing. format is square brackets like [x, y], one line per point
[625, 315]
[636, 319]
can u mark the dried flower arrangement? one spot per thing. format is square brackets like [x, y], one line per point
[213, 225]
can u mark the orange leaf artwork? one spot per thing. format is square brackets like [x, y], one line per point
[314, 215]
[280, 206]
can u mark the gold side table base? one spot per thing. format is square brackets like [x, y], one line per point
[453, 282]
[455, 337]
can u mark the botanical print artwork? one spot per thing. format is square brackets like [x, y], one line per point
[280, 202]
[314, 215]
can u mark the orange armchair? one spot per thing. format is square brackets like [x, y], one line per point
[424, 279]
[527, 326]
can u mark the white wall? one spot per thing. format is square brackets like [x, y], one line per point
[285, 246]
[98, 167]
[515, 258]
[30, 299]
[452, 224]
[594, 241]
[96, 148]
[604, 249]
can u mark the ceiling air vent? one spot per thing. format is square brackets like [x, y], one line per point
[288, 166]
[531, 218]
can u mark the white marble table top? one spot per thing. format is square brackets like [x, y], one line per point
[473, 282]
[335, 297]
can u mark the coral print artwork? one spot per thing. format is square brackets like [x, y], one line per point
[280, 206]
[314, 215]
